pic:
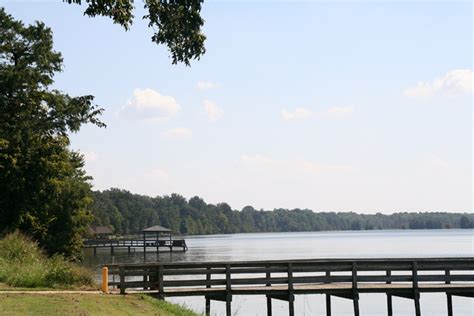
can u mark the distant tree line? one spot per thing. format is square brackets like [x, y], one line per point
[129, 213]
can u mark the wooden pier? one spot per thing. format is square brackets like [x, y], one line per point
[131, 244]
[154, 238]
[282, 280]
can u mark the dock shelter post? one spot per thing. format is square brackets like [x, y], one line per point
[144, 245]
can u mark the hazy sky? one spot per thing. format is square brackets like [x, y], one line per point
[344, 106]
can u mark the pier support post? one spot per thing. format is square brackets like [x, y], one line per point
[228, 301]
[356, 306]
[268, 276]
[389, 297]
[208, 306]
[291, 307]
[228, 305]
[328, 297]
[449, 297]
[389, 305]
[291, 296]
[417, 305]
[416, 292]
[269, 306]
[328, 305]
[355, 293]
[208, 286]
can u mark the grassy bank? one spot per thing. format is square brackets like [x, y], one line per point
[86, 304]
[23, 264]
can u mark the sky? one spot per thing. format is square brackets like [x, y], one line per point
[332, 106]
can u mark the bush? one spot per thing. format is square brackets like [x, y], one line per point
[23, 264]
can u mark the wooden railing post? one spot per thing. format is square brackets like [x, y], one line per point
[355, 293]
[122, 279]
[146, 273]
[416, 292]
[160, 282]
[291, 296]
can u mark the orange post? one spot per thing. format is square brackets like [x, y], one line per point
[105, 280]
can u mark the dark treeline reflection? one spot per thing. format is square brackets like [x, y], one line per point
[129, 213]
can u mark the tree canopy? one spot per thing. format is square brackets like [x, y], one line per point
[176, 23]
[44, 190]
[129, 213]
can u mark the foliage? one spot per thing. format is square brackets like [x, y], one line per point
[43, 189]
[176, 23]
[129, 213]
[23, 264]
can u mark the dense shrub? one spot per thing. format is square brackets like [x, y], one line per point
[23, 264]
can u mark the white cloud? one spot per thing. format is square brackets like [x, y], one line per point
[438, 162]
[90, 156]
[213, 111]
[291, 166]
[459, 81]
[206, 85]
[180, 133]
[303, 113]
[298, 114]
[338, 111]
[159, 174]
[150, 104]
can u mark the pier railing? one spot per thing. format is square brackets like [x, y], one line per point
[283, 280]
[171, 244]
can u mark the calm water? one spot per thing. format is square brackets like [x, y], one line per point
[360, 244]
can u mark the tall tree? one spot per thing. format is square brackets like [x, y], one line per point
[44, 190]
[176, 23]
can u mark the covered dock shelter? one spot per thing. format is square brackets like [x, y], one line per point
[152, 236]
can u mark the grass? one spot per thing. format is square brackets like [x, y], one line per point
[6, 287]
[87, 304]
[23, 264]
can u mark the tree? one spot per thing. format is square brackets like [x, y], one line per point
[44, 190]
[176, 23]
[464, 222]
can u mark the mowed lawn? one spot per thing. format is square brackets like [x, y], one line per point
[86, 304]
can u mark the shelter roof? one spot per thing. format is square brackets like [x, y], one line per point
[157, 229]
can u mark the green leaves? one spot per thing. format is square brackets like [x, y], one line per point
[176, 23]
[44, 191]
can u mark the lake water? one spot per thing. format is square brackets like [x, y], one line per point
[312, 245]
